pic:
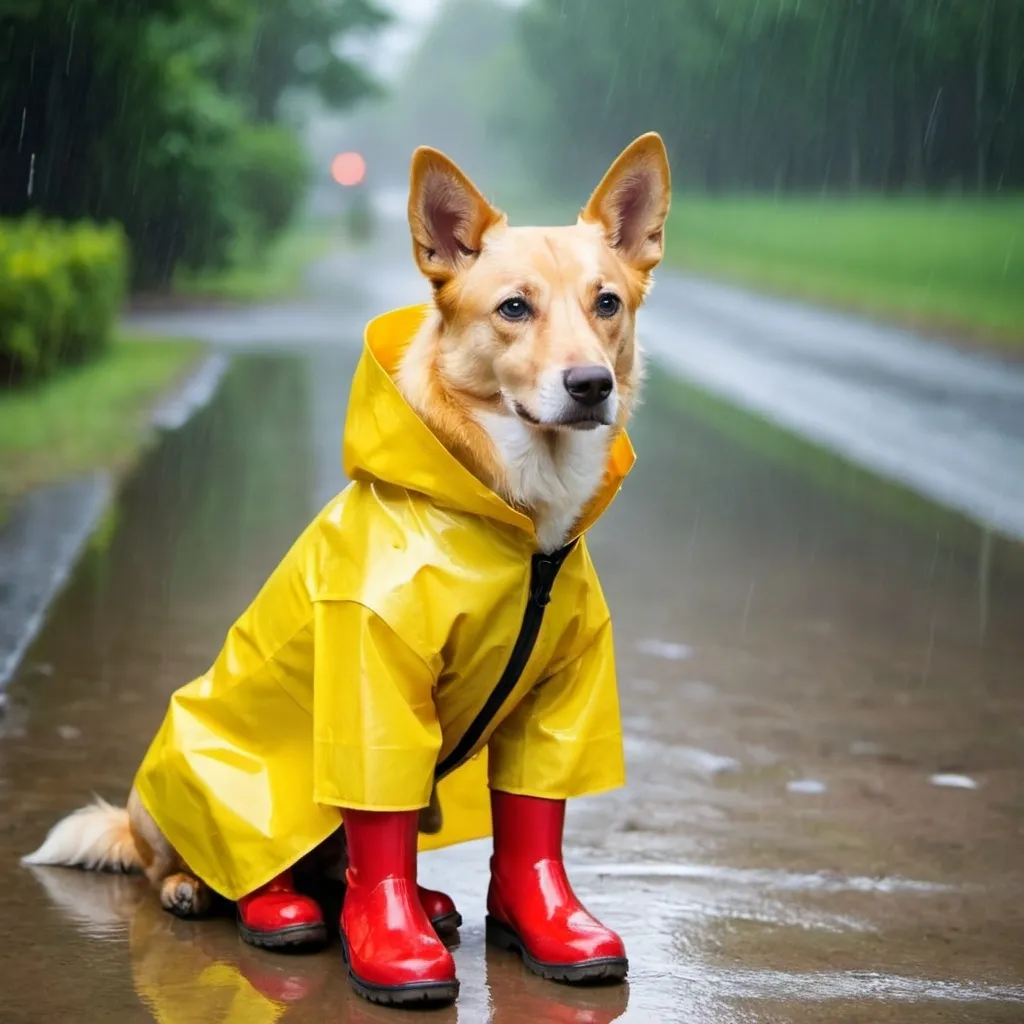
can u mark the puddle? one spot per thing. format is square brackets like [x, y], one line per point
[785, 880]
[808, 786]
[953, 781]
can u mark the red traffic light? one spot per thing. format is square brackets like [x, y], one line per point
[348, 169]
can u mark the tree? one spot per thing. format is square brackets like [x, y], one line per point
[137, 112]
[841, 94]
[295, 46]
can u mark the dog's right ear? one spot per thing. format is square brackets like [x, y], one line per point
[447, 214]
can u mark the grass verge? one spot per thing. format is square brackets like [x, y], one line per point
[276, 273]
[89, 417]
[954, 266]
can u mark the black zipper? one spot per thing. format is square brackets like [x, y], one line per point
[543, 571]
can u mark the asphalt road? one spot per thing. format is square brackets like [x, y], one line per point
[820, 676]
[948, 423]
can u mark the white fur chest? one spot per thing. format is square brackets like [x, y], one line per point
[556, 481]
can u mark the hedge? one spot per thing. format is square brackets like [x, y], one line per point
[61, 287]
[271, 174]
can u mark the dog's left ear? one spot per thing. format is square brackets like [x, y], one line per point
[447, 215]
[632, 202]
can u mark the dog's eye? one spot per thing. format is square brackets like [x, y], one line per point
[515, 309]
[608, 304]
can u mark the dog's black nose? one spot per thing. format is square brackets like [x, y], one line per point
[589, 385]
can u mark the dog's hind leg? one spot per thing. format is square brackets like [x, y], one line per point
[181, 892]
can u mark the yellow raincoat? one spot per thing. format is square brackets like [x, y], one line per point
[405, 637]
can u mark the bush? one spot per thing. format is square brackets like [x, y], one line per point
[61, 287]
[272, 174]
[233, 199]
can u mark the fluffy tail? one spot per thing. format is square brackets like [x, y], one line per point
[97, 838]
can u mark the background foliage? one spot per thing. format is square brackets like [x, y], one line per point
[60, 292]
[787, 94]
[166, 115]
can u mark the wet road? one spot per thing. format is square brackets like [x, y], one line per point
[805, 651]
[949, 423]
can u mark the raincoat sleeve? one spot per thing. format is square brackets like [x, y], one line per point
[564, 739]
[375, 729]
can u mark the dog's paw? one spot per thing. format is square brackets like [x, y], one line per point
[184, 896]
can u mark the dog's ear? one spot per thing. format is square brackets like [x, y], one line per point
[632, 202]
[447, 214]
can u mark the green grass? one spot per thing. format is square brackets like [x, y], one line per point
[85, 418]
[275, 274]
[955, 266]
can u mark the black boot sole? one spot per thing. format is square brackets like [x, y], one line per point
[294, 939]
[447, 927]
[601, 970]
[416, 994]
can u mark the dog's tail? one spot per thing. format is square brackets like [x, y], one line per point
[97, 838]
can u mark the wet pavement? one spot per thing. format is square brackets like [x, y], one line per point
[823, 694]
[39, 546]
[948, 422]
[42, 541]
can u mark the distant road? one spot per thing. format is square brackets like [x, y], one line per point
[947, 423]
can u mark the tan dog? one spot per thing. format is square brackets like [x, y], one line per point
[520, 311]
[526, 370]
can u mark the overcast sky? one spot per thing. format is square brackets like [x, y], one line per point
[390, 48]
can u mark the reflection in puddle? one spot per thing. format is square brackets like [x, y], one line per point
[953, 781]
[185, 972]
[809, 786]
[101, 906]
[189, 971]
[516, 995]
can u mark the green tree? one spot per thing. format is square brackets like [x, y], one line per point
[141, 113]
[795, 94]
[296, 46]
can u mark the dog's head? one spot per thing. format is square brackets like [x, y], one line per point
[539, 323]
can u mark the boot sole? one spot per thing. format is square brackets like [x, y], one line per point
[599, 970]
[292, 939]
[447, 927]
[417, 993]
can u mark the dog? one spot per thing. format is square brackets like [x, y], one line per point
[526, 368]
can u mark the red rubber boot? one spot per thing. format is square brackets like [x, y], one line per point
[393, 953]
[275, 916]
[441, 910]
[531, 908]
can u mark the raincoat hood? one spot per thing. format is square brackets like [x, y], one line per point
[413, 643]
[385, 439]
